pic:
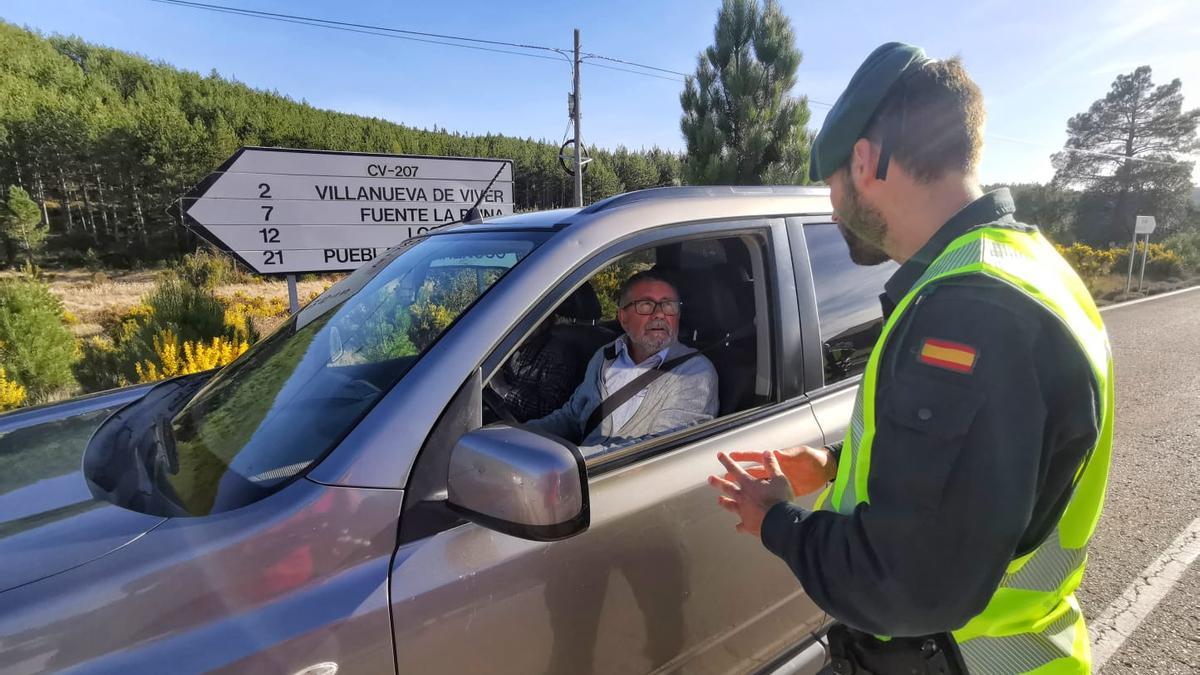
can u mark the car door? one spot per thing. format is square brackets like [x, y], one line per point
[660, 581]
[840, 311]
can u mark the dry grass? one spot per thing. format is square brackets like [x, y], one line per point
[89, 295]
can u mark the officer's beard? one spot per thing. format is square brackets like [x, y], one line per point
[863, 228]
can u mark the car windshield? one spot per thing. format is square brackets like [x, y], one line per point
[279, 408]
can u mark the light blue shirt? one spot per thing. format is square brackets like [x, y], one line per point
[623, 371]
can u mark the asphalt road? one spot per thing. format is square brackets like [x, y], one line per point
[1154, 485]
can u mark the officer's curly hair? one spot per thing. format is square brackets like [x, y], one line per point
[933, 121]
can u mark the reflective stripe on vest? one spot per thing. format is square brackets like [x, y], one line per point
[1032, 622]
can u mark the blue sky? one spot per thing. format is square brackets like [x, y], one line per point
[1037, 61]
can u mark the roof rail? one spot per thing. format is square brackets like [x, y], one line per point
[693, 191]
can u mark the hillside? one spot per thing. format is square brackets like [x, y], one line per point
[105, 141]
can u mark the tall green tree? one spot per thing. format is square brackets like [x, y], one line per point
[1049, 207]
[1124, 154]
[740, 122]
[21, 223]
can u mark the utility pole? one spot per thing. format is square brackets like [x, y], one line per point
[575, 115]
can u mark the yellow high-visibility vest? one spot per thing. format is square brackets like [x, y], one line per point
[1033, 623]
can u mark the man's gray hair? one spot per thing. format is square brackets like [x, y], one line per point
[645, 275]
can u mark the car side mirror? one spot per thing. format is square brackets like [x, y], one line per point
[519, 482]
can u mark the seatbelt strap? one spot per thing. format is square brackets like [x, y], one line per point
[618, 398]
[609, 405]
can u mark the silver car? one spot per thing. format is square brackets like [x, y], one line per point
[347, 497]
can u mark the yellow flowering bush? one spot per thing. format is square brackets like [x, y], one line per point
[1088, 261]
[12, 394]
[1161, 262]
[173, 358]
[257, 305]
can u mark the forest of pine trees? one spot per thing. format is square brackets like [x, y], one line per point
[104, 141]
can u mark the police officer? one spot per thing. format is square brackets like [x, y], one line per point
[953, 535]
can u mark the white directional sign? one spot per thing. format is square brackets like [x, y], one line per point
[290, 211]
[1144, 225]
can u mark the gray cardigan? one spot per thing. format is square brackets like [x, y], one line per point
[685, 396]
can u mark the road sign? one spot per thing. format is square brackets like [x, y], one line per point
[283, 211]
[1144, 225]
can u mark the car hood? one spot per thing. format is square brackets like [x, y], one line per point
[50, 525]
[49, 520]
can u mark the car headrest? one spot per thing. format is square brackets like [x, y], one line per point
[581, 305]
[739, 281]
[710, 301]
[710, 308]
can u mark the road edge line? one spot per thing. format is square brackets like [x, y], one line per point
[1158, 296]
[1121, 618]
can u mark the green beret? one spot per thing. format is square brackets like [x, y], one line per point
[848, 119]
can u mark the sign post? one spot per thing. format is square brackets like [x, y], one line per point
[1141, 225]
[282, 211]
[293, 295]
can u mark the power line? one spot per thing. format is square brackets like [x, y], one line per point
[559, 54]
[635, 72]
[366, 29]
[633, 63]
[209, 6]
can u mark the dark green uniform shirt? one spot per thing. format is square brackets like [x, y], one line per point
[968, 470]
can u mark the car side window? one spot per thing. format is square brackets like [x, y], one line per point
[723, 309]
[847, 301]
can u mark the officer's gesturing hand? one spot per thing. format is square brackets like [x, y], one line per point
[807, 469]
[750, 497]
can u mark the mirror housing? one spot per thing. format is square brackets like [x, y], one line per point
[519, 482]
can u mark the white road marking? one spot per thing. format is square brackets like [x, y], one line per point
[1160, 296]
[1126, 613]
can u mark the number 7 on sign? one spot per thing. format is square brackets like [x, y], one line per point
[267, 215]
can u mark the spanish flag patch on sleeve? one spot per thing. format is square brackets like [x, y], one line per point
[948, 355]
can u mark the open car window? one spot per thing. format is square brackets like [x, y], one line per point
[723, 285]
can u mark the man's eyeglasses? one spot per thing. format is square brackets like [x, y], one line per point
[647, 307]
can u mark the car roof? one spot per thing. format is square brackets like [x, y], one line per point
[689, 202]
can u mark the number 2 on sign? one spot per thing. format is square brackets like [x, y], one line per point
[267, 215]
[272, 257]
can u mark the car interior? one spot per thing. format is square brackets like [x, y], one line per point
[716, 280]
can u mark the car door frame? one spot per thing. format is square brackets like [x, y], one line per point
[786, 351]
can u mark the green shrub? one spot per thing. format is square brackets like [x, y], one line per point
[206, 269]
[187, 312]
[191, 311]
[36, 348]
[99, 365]
[1187, 246]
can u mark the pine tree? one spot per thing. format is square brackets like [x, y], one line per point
[1123, 153]
[21, 223]
[740, 123]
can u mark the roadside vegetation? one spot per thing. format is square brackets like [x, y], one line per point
[101, 287]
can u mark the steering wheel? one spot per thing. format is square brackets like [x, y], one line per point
[493, 400]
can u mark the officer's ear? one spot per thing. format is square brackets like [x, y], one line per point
[864, 163]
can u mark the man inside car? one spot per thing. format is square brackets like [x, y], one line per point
[645, 383]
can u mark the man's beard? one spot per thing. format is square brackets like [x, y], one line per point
[652, 343]
[863, 228]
